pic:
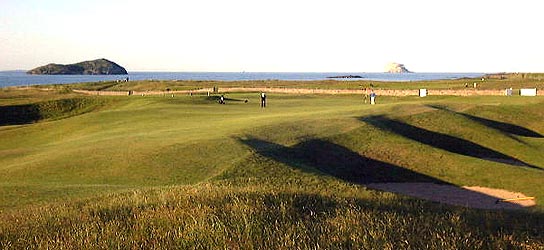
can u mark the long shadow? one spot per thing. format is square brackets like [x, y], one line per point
[19, 114]
[216, 98]
[443, 141]
[506, 129]
[338, 161]
[335, 160]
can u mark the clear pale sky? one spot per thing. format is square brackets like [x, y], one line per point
[276, 35]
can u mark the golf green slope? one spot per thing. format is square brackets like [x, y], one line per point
[187, 172]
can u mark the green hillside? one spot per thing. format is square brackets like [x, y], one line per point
[187, 172]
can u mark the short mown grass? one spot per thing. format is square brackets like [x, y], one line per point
[187, 172]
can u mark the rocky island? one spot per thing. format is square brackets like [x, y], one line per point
[95, 67]
[396, 68]
[345, 76]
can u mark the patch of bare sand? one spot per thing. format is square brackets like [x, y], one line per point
[473, 197]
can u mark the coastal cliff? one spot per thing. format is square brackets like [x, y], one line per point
[95, 67]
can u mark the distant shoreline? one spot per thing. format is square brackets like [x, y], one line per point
[20, 78]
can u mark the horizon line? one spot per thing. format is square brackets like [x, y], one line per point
[359, 72]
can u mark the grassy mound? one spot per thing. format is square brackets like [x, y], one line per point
[47, 110]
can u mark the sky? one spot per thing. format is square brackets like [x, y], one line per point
[276, 35]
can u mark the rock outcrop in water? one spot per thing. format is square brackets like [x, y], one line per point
[95, 67]
[345, 76]
[396, 68]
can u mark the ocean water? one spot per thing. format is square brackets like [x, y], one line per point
[20, 78]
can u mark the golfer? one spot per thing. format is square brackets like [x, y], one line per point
[263, 100]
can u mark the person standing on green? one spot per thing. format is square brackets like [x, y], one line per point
[263, 100]
[372, 98]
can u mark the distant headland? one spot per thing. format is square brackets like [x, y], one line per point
[396, 68]
[94, 67]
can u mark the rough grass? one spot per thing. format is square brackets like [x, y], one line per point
[211, 216]
[488, 84]
[186, 172]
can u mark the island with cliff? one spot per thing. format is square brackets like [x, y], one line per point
[396, 68]
[94, 67]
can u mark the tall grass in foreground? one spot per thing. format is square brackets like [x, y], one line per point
[216, 216]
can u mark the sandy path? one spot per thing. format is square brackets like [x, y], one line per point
[474, 197]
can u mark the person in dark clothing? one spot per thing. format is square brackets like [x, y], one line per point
[263, 100]
[222, 100]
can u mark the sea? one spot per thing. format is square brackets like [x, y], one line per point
[20, 78]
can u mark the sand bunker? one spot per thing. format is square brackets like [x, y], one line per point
[473, 197]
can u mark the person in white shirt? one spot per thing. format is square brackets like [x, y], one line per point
[263, 100]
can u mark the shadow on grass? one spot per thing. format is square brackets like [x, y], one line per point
[506, 129]
[443, 141]
[335, 160]
[216, 98]
[19, 114]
